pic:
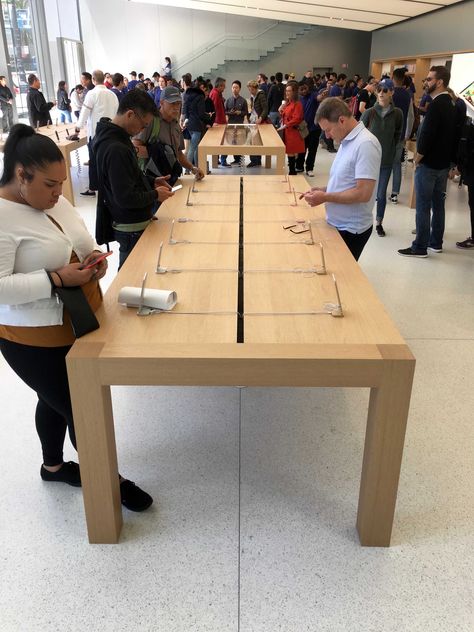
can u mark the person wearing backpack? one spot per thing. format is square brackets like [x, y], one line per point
[465, 168]
[162, 140]
[127, 199]
[385, 121]
[196, 118]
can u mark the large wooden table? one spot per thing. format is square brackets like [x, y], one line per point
[283, 343]
[214, 144]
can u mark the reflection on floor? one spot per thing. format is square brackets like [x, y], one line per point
[256, 489]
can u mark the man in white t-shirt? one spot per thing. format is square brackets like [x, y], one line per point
[350, 193]
[98, 103]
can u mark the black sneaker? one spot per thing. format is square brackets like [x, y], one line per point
[299, 170]
[88, 193]
[379, 230]
[433, 249]
[332, 150]
[408, 252]
[466, 244]
[69, 473]
[394, 198]
[134, 498]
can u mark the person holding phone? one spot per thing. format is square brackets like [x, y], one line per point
[44, 244]
[127, 198]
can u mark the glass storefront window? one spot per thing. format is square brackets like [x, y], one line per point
[22, 55]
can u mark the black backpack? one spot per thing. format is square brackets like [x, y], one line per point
[162, 160]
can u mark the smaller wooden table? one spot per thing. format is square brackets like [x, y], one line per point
[66, 147]
[214, 143]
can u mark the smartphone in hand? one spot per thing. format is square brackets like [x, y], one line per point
[100, 258]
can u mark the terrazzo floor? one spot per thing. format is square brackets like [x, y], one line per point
[253, 525]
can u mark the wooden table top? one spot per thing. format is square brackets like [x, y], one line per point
[270, 140]
[62, 131]
[271, 254]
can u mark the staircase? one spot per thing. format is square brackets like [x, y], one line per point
[240, 48]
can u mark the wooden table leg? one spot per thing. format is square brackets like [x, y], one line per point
[94, 425]
[268, 161]
[280, 165]
[68, 191]
[384, 439]
[202, 159]
[215, 161]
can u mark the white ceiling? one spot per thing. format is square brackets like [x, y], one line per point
[362, 15]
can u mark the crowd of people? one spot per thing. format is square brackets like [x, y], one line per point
[142, 133]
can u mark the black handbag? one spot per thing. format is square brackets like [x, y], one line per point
[82, 317]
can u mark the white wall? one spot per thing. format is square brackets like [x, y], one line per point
[62, 20]
[123, 36]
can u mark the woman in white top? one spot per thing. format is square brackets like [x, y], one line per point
[44, 244]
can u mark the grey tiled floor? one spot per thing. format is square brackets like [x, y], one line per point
[256, 489]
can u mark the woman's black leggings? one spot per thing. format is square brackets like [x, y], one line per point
[470, 192]
[44, 370]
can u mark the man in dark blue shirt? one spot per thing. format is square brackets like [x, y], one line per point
[310, 105]
[132, 82]
[338, 88]
[262, 83]
[425, 100]
[117, 85]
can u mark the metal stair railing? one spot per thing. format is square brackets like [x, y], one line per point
[230, 37]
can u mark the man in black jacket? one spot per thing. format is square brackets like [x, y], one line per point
[6, 104]
[38, 108]
[435, 152]
[127, 199]
[275, 96]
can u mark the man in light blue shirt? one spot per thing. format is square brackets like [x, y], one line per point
[350, 193]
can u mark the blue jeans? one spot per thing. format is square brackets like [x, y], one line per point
[274, 118]
[397, 168]
[65, 116]
[384, 177]
[126, 242]
[193, 147]
[430, 189]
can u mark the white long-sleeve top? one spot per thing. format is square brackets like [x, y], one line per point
[99, 102]
[30, 244]
[77, 101]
